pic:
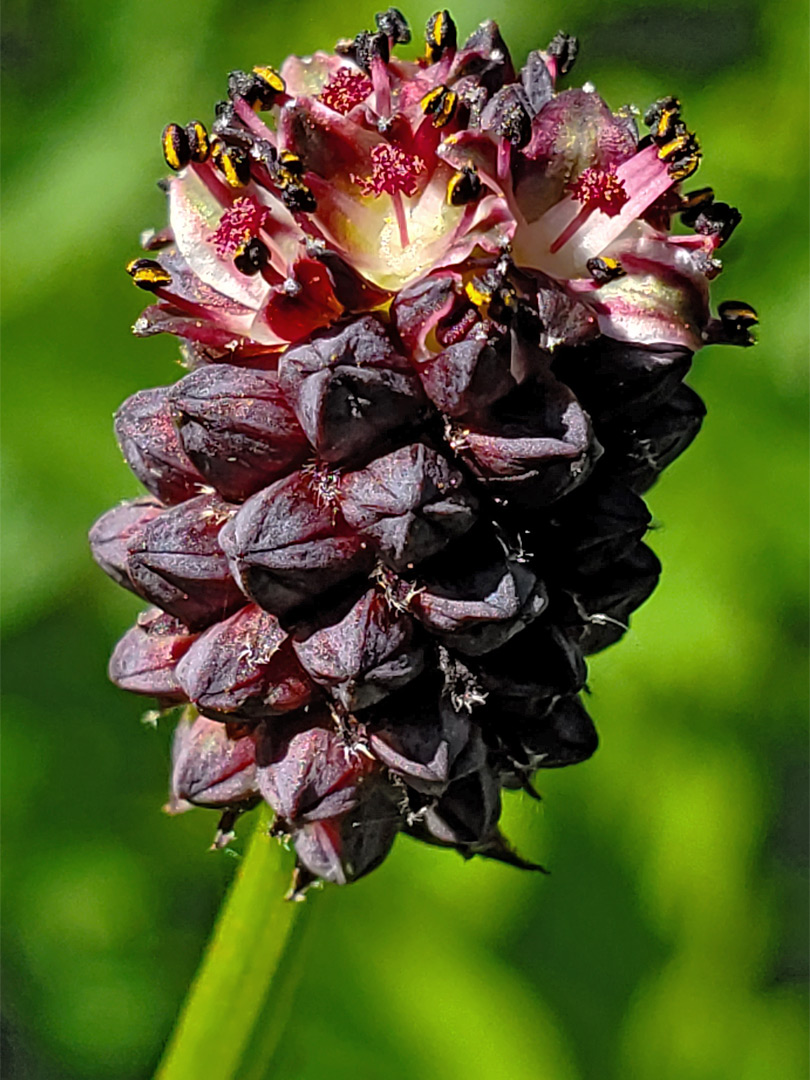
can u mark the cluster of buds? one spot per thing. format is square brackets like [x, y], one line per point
[436, 326]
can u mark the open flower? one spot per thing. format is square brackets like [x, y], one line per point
[437, 324]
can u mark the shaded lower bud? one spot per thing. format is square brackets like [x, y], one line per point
[598, 524]
[244, 668]
[175, 561]
[317, 776]
[366, 655]
[344, 848]
[467, 814]
[237, 428]
[145, 659]
[149, 442]
[615, 380]
[408, 504]
[521, 677]
[564, 736]
[209, 768]
[474, 598]
[288, 546]
[423, 740]
[469, 376]
[639, 455]
[110, 536]
[349, 388]
[608, 597]
[533, 446]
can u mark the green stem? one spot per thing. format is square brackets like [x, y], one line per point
[238, 1003]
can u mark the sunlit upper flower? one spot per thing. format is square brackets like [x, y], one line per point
[328, 187]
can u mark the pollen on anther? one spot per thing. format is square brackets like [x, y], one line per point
[392, 171]
[600, 189]
[346, 89]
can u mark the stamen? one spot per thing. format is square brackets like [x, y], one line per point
[252, 257]
[440, 35]
[716, 219]
[148, 274]
[198, 142]
[394, 25]
[464, 186]
[440, 103]
[233, 163]
[562, 52]
[603, 269]
[176, 150]
[259, 88]
[345, 89]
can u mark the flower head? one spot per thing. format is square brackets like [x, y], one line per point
[437, 324]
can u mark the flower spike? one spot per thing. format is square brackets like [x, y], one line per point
[437, 324]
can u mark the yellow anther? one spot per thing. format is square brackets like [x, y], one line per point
[680, 142]
[476, 295]
[271, 77]
[148, 274]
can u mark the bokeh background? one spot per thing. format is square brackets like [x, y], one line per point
[670, 942]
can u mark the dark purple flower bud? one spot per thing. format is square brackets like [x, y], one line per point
[146, 657]
[522, 676]
[343, 849]
[640, 453]
[111, 534]
[564, 736]
[175, 561]
[608, 597]
[237, 428]
[317, 777]
[473, 597]
[615, 380]
[209, 768]
[366, 655]
[535, 445]
[409, 504]
[349, 388]
[597, 525]
[288, 545]
[469, 375]
[426, 741]
[424, 306]
[467, 814]
[244, 668]
[148, 439]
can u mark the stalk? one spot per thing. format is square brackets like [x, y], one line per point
[239, 1001]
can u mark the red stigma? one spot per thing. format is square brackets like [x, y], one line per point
[392, 171]
[600, 189]
[345, 89]
[239, 223]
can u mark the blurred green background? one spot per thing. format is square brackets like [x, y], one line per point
[670, 942]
